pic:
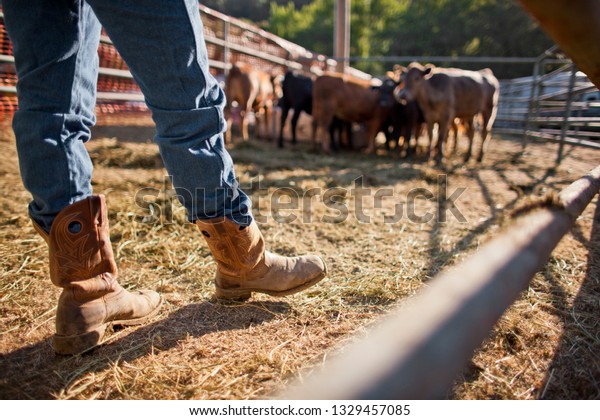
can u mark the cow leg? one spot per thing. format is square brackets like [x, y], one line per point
[325, 145]
[418, 129]
[470, 125]
[452, 150]
[250, 108]
[371, 134]
[295, 119]
[485, 133]
[395, 135]
[270, 130]
[335, 128]
[323, 119]
[443, 129]
[348, 128]
[406, 134]
[228, 117]
[258, 121]
[372, 130]
[388, 139]
[313, 139]
[285, 109]
[244, 123]
[430, 147]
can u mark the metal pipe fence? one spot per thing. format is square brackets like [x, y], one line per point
[228, 40]
[418, 350]
[561, 105]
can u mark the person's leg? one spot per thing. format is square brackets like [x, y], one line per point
[163, 45]
[55, 47]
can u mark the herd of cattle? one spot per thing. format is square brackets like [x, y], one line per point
[407, 100]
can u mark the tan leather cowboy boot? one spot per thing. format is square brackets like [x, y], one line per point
[243, 265]
[82, 263]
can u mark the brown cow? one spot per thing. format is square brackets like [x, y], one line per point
[253, 90]
[446, 94]
[349, 99]
[487, 116]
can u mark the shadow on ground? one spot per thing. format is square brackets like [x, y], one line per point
[36, 372]
[575, 370]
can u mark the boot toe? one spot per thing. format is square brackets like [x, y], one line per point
[319, 264]
[136, 307]
[298, 274]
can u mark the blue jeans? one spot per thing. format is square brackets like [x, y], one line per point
[55, 45]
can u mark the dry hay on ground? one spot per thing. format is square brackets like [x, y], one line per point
[545, 346]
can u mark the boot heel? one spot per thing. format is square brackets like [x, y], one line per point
[77, 344]
[230, 294]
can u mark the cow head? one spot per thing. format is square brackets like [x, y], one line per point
[411, 81]
[386, 92]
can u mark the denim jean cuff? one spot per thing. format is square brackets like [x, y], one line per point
[183, 128]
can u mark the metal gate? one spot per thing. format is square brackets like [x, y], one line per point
[558, 104]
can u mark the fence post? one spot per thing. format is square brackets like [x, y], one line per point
[567, 115]
[226, 49]
[532, 99]
[342, 34]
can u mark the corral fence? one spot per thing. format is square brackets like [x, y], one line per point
[418, 351]
[557, 104]
[228, 40]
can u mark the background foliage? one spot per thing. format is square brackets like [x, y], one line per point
[492, 28]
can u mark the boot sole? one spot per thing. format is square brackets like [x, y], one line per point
[246, 293]
[81, 343]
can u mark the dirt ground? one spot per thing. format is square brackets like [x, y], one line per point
[380, 248]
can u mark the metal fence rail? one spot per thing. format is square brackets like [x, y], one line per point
[417, 352]
[227, 39]
[560, 106]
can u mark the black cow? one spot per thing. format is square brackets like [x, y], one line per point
[401, 119]
[297, 95]
[404, 120]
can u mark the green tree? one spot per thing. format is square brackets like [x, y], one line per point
[493, 28]
[310, 26]
[256, 10]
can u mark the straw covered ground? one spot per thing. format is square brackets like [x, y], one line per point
[380, 248]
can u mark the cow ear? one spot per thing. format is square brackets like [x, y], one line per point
[427, 70]
[398, 69]
[397, 72]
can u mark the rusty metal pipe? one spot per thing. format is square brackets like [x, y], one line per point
[418, 350]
